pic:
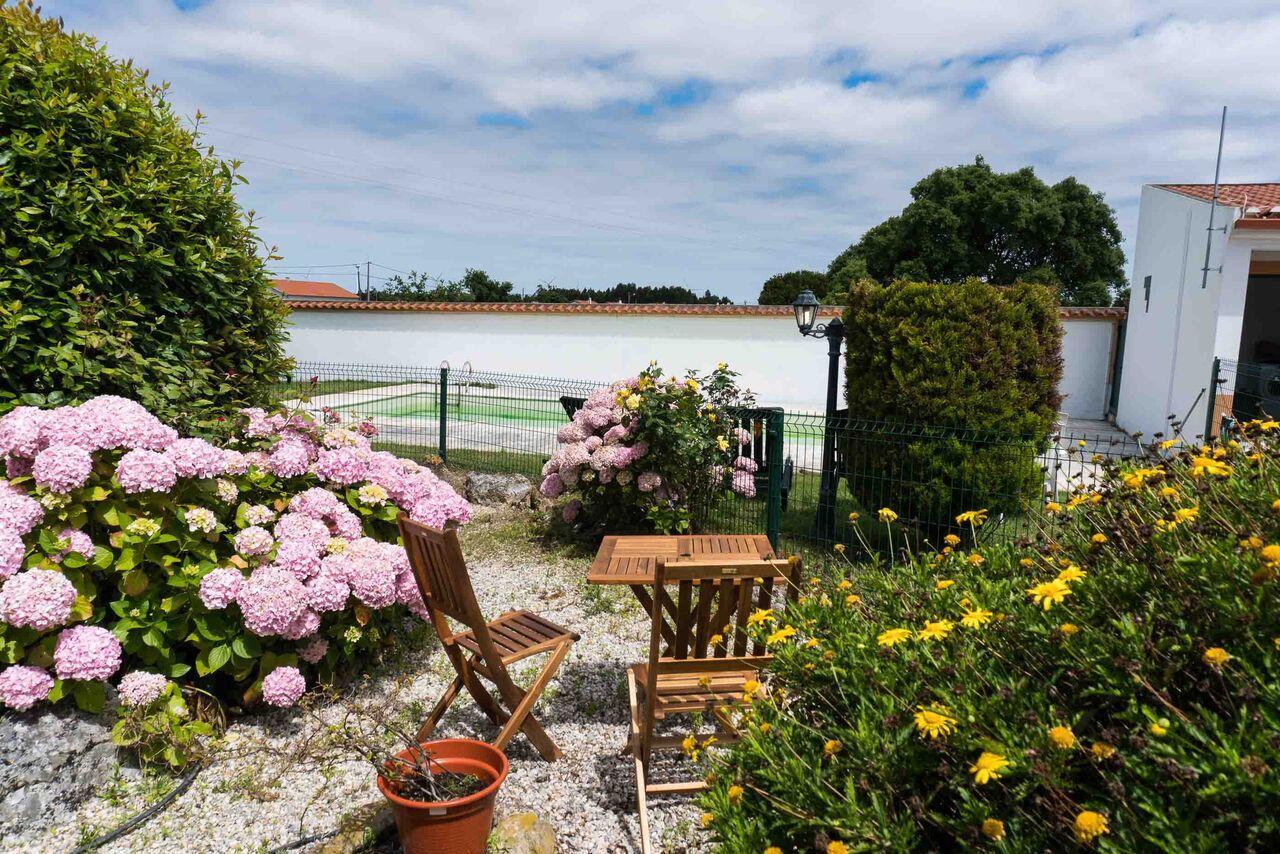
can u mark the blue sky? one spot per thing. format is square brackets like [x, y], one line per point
[708, 144]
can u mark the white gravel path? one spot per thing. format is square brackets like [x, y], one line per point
[249, 800]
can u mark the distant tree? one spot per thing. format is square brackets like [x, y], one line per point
[484, 288]
[969, 221]
[629, 292]
[419, 287]
[783, 288]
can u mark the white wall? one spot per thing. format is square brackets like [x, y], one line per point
[781, 367]
[1169, 343]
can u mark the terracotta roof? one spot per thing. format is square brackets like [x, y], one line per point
[1088, 312]
[1231, 195]
[315, 290]
[1269, 223]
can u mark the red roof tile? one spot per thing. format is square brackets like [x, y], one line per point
[315, 290]
[642, 309]
[1232, 195]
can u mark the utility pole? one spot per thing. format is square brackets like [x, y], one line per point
[357, 266]
[368, 281]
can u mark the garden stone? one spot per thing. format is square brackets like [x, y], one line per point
[50, 760]
[372, 821]
[511, 490]
[523, 833]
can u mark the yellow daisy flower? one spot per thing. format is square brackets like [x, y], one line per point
[987, 767]
[1089, 825]
[890, 637]
[1049, 593]
[934, 722]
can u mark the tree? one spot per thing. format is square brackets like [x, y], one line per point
[783, 288]
[127, 266]
[970, 221]
[484, 288]
[420, 287]
[629, 292]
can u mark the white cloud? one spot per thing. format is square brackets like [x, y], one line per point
[774, 166]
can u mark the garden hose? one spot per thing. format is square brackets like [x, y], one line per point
[142, 817]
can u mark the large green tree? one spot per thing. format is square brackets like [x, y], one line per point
[1002, 227]
[126, 265]
[783, 288]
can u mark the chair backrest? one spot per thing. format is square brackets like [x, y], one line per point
[441, 572]
[714, 600]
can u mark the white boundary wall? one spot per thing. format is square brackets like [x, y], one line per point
[781, 367]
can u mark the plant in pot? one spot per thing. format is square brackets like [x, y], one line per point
[441, 792]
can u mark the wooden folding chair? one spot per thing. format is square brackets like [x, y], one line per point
[483, 649]
[708, 656]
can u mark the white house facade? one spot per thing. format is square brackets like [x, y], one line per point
[1181, 317]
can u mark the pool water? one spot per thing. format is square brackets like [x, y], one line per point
[489, 408]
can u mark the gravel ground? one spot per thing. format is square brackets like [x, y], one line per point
[251, 799]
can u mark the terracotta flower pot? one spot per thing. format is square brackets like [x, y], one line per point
[450, 827]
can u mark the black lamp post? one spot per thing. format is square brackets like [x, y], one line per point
[806, 309]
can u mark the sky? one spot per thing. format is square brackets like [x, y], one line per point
[709, 144]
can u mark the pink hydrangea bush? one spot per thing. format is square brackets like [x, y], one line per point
[651, 452]
[270, 555]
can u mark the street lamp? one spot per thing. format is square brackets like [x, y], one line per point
[806, 309]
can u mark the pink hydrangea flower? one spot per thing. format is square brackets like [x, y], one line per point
[116, 422]
[313, 649]
[328, 591]
[295, 527]
[316, 502]
[62, 468]
[12, 552]
[552, 486]
[253, 541]
[270, 600]
[39, 599]
[146, 471]
[86, 652]
[196, 458]
[306, 623]
[18, 512]
[259, 514]
[300, 558]
[571, 432]
[741, 435]
[745, 464]
[234, 462]
[648, 481]
[140, 688]
[744, 484]
[22, 686]
[78, 542]
[283, 686]
[370, 572]
[344, 466]
[571, 511]
[291, 457]
[20, 431]
[220, 587]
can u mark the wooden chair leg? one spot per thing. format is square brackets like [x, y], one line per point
[522, 719]
[637, 751]
[483, 699]
[429, 725]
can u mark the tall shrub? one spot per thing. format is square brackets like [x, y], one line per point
[126, 266]
[977, 363]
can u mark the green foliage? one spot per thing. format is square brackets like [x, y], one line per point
[163, 732]
[970, 221]
[474, 286]
[981, 361]
[783, 288]
[629, 292]
[126, 266]
[1161, 661]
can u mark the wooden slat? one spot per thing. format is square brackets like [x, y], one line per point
[740, 623]
[707, 591]
[683, 618]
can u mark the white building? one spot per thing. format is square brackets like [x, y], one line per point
[1180, 317]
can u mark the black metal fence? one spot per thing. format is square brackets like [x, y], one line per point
[926, 475]
[1242, 391]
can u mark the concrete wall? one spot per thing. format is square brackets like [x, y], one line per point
[780, 366]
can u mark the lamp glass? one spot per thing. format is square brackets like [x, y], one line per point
[806, 309]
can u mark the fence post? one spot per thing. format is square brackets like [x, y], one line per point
[444, 414]
[1211, 402]
[774, 453]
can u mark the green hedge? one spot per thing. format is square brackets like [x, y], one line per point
[1143, 698]
[980, 362]
[126, 265]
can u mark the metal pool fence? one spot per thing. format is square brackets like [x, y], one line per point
[1242, 391]
[507, 423]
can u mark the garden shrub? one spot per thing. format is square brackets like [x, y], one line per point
[1114, 682]
[975, 368]
[126, 266]
[652, 453]
[247, 570]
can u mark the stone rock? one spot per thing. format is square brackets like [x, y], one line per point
[50, 760]
[523, 833]
[367, 824]
[510, 490]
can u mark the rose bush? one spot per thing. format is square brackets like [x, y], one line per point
[1113, 682]
[649, 452]
[124, 546]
